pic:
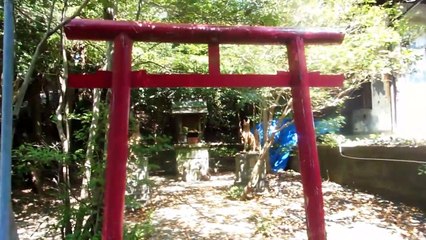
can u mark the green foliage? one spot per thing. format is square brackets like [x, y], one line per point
[151, 145]
[32, 156]
[235, 192]
[331, 125]
[78, 236]
[264, 225]
[139, 231]
[222, 151]
[85, 118]
[372, 47]
[83, 220]
[422, 169]
[329, 139]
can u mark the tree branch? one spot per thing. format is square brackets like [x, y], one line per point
[28, 76]
[138, 13]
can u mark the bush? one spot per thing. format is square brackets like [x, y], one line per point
[235, 192]
[139, 231]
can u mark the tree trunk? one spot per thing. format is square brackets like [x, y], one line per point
[265, 120]
[36, 180]
[34, 106]
[64, 131]
[95, 152]
[267, 116]
[92, 143]
[256, 172]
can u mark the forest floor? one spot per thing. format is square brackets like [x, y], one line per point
[35, 214]
[203, 210]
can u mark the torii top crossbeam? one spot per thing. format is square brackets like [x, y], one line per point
[121, 79]
[101, 30]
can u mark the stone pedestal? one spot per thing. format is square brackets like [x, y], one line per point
[244, 165]
[192, 161]
[137, 186]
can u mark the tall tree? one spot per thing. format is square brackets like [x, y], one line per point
[49, 32]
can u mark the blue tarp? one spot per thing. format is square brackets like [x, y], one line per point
[286, 139]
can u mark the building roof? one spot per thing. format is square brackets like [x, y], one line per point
[189, 107]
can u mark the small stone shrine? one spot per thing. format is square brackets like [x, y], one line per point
[192, 154]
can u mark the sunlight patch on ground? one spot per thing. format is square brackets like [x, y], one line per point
[360, 230]
[200, 210]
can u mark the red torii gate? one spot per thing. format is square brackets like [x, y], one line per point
[122, 79]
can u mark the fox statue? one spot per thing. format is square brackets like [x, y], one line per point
[247, 137]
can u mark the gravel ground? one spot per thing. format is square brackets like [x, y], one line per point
[34, 215]
[202, 211]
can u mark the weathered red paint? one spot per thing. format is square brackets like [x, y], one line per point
[304, 121]
[104, 30]
[140, 79]
[117, 149]
[214, 59]
[122, 79]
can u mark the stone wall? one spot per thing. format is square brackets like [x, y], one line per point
[398, 181]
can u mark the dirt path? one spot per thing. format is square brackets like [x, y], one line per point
[34, 215]
[202, 211]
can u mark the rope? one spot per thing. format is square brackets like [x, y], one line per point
[379, 159]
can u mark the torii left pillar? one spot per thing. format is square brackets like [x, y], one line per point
[112, 227]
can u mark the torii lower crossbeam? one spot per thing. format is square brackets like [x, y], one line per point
[122, 79]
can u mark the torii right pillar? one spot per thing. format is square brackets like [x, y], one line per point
[308, 154]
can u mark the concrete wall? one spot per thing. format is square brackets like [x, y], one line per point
[415, 15]
[393, 180]
[378, 118]
[411, 97]
[370, 109]
[381, 101]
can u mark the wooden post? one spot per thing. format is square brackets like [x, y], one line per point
[117, 149]
[308, 154]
